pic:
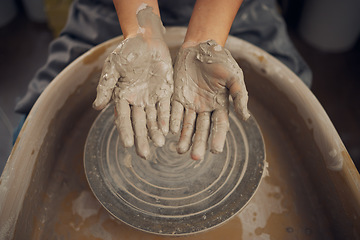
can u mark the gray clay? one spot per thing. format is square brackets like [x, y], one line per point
[204, 77]
[138, 76]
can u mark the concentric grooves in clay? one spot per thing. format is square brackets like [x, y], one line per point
[170, 193]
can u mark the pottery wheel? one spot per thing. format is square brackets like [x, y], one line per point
[171, 194]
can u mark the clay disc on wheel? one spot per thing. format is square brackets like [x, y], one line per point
[171, 194]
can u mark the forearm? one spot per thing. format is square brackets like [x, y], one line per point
[127, 14]
[211, 19]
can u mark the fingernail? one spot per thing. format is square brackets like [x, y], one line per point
[145, 154]
[182, 148]
[159, 140]
[246, 115]
[174, 127]
[216, 150]
[216, 147]
[97, 105]
[196, 157]
[128, 141]
[165, 130]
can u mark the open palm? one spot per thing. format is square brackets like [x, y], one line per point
[204, 76]
[138, 76]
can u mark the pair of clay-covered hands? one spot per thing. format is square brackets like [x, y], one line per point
[139, 76]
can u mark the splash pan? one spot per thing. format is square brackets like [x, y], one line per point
[170, 194]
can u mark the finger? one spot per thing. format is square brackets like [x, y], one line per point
[220, 127]
[187, 131]
[152, 126]
[177, 110]
[163, 109]
[108, 79]
[123, 123]
[201, 136]
[139, 125]
[239, 95]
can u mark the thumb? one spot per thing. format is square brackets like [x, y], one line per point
[239, 95]
[108, 79]
[240, 104]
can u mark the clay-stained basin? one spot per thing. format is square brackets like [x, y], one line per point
[311, 190]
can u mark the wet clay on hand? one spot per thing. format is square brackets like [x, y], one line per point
[204, 76]
[138, 76]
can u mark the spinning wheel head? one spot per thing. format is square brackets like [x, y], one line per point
[171, 194]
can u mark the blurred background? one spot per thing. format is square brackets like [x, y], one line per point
[325, 32]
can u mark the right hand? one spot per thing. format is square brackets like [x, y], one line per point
[204, 75]
[138, 77]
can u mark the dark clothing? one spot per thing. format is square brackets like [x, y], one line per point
[92, 22]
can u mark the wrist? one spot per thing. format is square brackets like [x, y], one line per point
[150, 24]
[191, 43]
[194, 37]
[187, 44]
[139, 17]
[212, 19]
[130, 33]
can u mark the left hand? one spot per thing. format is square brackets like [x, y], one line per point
[204, 76]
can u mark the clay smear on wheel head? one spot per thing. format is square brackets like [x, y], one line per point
[171, 194]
